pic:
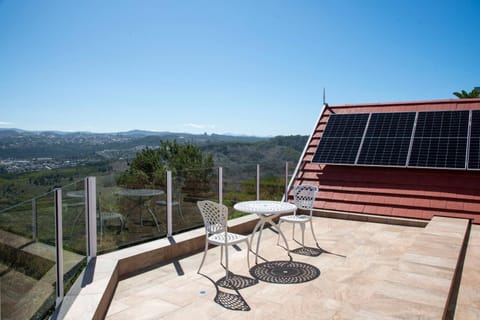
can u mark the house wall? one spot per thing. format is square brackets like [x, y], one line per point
[400, 192]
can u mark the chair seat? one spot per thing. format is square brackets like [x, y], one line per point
[295, 218]
[232, 238]
[111, 215]
[164, 203]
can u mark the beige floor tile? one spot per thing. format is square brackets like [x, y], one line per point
[369, 273]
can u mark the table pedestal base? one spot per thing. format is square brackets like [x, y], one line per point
[261, 224]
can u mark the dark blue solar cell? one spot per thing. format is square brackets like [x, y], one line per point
[387, 139]
[474, 152]
[341, 139]
[440, 140]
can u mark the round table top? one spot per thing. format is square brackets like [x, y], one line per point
[140, 192]
[265, 207]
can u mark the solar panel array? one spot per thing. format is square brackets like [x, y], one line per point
[474, 151]
[426, 139]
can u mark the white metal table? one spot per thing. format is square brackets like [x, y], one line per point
[267, 211]
[143, 193]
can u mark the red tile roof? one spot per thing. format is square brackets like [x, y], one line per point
[403, 192]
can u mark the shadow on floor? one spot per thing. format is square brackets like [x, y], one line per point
[313, 251]
[284, 272]
[228, 300]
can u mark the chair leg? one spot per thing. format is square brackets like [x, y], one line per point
[248, 254]
[226, 262]
[181, 213]
[221, 255]
[122, 224]
[313, 233]
[302, 226]
[278, 226]
[204, 255]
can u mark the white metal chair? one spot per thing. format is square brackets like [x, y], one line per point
[107, 216]
[303, 198]
[215, 218]
[104, 216]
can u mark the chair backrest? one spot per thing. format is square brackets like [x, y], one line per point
[304, 196]
[177, 187]
[214, 216]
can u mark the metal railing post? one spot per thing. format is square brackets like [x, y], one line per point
[220, 185]
[285, 194]
[57, 196]
[169, 203]
[258, 182]
[91, 216]
[34, 220]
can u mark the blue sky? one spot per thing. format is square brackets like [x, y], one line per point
[241, 67]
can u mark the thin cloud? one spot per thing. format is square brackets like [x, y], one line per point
[5, 123]
[199, 126]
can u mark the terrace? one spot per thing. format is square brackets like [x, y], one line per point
[378, 269]
[395, 243]
[370, 266]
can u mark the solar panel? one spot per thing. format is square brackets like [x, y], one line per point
[440, 140]
[426, 139]
[341, 139]
[387, 139]
[474, 151]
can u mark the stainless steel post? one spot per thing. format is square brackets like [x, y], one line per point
[169, 203]
[285, 194]
[258, 182]
[91, 216]
[220, 185]
[58, 246]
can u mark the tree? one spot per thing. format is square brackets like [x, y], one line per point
[186, 161]
[475, 93]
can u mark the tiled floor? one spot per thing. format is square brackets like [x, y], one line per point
[468, 301]
[358, 262]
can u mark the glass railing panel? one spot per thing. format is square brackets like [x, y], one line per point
[27, 265]
[291, 169]
[74, 231]
[74, 217]
[15, 232]
[239, 184]
[17, 219]
[45, 245]
[111, 233]
[127, 214]
[272, 180]
[191, 186]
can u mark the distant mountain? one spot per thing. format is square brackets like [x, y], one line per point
[10, 132]
[22, 144]
[25, 151]
[279, 148]
[142, 133]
